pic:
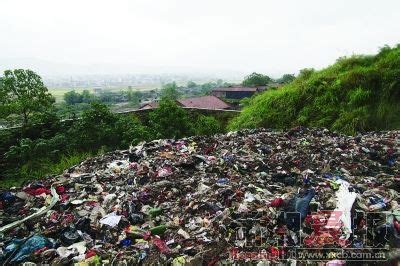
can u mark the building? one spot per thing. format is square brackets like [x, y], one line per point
[236, 93]
[97, 90]
[203, 102]
[148, 105]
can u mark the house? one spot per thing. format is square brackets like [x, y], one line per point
[236, 93]
[203, 102]
[97, 90]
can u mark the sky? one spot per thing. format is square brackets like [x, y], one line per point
[210, 36]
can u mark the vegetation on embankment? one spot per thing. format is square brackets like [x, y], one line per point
[357, 93]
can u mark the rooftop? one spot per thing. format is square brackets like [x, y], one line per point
[149, 105]
[251, 89]
[203, 102]
[206, 102]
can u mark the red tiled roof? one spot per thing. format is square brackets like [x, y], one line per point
[206, 102]
[255, 89]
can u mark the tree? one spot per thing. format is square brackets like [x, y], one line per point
[133, 96]
[169, 120]
[170, 91]
[24, 93]
[95, 129]
[3, 107]
[87, 97]
[72, 98]
[207, 87]
[191, 84]
[104, 97]
[136, 96]
[286, 78]
[256, 79]
[207, 125]
[130, 131]
[129, 94]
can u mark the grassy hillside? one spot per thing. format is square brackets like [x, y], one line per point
[358, 93]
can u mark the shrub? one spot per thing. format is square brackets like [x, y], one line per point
[207, 125]
[169, 121]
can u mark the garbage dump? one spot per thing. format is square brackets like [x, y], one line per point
[257, 196]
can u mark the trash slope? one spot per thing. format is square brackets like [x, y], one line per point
[212, 199]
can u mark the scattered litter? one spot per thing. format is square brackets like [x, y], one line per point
[209, 200]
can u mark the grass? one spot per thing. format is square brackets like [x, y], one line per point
[360, 93]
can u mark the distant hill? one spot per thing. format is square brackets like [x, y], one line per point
[357, 93]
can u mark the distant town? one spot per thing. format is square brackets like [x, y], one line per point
[123, 81]
[142, 92]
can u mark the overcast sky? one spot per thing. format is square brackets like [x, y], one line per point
[269, 36]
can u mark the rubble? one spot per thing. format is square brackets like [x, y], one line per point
[243, 196]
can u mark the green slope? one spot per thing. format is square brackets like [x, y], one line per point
[358, 93]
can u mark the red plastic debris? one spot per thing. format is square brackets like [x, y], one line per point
[396, 225]
[161, 246]
[37, 191]
[278, 202]
[38, 251]
[60, 189]
[90, 254]
[64, 197]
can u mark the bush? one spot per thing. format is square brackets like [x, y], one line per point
[169, 121]
[207, 125]
[94, 129]
[131, 131]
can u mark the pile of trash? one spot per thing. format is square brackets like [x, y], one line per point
[250, 195]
